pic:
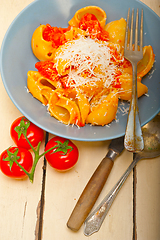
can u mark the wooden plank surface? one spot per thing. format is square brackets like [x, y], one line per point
[20, 200]
[62, 202]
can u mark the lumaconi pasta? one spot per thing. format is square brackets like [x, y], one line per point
[82, 72]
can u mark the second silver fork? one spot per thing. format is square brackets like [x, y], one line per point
[133, 137]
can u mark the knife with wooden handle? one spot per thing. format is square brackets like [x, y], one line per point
[94, 186]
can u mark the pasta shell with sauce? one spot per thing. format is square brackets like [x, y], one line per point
[42, 49]
[97, 11]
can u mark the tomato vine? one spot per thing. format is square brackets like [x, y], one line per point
[61, 147]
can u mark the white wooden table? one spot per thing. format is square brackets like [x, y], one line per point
[21, 203]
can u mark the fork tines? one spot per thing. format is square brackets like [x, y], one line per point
[136, 31]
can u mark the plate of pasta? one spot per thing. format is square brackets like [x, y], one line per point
[63, 66]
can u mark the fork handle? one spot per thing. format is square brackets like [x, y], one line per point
[133, 138]
[94, 221]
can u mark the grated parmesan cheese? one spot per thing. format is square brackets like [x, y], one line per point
[88, 60]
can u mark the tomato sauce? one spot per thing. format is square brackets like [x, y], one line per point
[47, 69]
[55, 35]
[91, 25]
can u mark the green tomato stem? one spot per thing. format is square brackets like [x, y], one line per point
[29, 142]
[37, 156]
[24, 170]
[31, 174]
[36, 159]
[46, 151]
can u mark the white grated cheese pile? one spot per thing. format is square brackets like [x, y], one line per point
[86, 55]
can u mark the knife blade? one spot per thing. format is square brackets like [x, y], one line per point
[95, 185]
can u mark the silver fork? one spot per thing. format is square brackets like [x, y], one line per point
[133, 141]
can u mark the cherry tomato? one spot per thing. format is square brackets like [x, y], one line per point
[64, 155]
[10, 168]
[33, 133]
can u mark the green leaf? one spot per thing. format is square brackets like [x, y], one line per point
[22, 128]
[62, 147]
[11, 157]
[10, 165]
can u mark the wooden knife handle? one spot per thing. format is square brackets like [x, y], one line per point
[90, 194]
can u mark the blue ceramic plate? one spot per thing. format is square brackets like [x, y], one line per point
[17, 58]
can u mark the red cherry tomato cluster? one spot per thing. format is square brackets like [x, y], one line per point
[17, 162]
[20, 153]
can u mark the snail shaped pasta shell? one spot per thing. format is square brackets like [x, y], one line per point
[126, 87]
[116, 30]
[104, 112]
[145, 65]
[42, 49]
